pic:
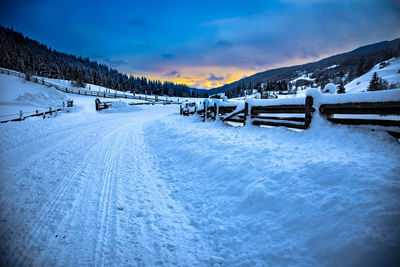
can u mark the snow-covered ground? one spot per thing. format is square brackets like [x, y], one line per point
[17, 95]
[390, 73]
[144, 186]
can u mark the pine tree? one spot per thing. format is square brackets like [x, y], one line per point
[374, 83]
[341, 89]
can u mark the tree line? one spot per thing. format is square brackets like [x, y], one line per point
[23, 54]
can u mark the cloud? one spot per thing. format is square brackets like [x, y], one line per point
[168, 56]
[173, 73]
[224, 43]
[116, 62]
[137, 22]
[215, 78]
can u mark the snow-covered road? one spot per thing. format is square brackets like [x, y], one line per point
[150, 187]
[81, 195]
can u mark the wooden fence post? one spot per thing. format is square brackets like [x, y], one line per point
[308, 111]
[246, 112]
[216, 111]
[205, 111]
[20, 115]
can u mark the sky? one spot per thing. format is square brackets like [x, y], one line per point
[203, 44]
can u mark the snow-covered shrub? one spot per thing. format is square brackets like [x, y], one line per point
[330, 88]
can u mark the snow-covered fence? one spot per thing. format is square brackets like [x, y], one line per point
[37, 113]
[187, 109]
[102, 105]
[374, 110]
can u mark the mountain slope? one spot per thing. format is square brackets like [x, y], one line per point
[346, 66]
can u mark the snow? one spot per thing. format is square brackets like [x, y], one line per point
[389, 73]
[330, 88]
[17, 95]
[145, 186]
[305, 76]
[276, 102]
[332, 67]
[375, 96]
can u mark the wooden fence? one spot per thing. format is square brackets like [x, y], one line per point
[23, 115]
[298, 113]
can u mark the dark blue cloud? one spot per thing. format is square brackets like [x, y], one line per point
[117, 62]
[173, 73]
[137, 22]
[224, 43]
[167, 56]
[215, 78]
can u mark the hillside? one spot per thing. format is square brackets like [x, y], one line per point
[388, 70]
[20, 53]
[342, 67]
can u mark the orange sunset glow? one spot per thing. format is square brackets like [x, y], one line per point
[203, 77]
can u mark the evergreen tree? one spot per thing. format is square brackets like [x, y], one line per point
[374, 83]
[341, 89]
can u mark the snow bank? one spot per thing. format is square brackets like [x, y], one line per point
[274, 197]
[276, 102]
[18, 92]
[376, 96]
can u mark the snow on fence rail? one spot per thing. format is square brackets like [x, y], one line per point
[83, 91]
[23, 115]
[374, 110]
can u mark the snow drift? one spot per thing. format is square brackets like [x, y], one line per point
[273, 197]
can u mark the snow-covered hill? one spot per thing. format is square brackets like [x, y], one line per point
[17, 94]
[389, 72]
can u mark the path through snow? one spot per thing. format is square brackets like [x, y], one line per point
[91, 194]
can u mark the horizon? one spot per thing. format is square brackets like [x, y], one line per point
[216, 46]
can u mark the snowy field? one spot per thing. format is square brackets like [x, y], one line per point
[145, 186]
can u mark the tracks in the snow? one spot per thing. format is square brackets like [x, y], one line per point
[100, 202]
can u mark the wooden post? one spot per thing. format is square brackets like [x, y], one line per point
[205, 111]
[20, 114]
[216, 111]
[308, 111]
[44, 114]
[246, 112]
[51, 111]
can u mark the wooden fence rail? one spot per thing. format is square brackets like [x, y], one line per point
[51, 110]
[300, 114]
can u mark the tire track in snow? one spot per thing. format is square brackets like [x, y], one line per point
[103, 209]
[90, 224]
[49, 144]
[49, 211]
